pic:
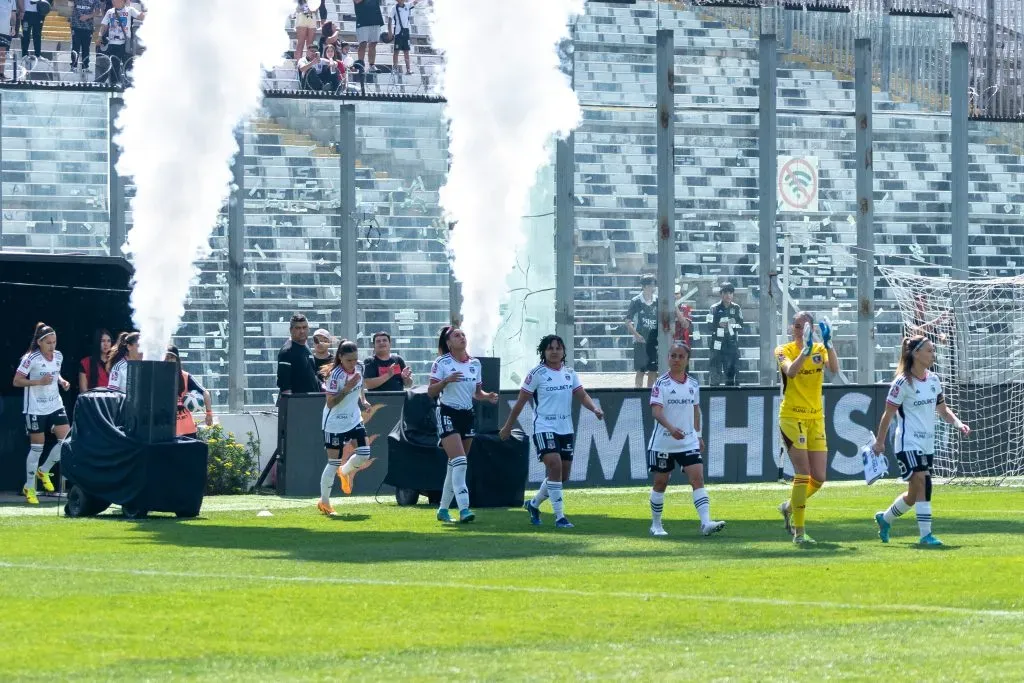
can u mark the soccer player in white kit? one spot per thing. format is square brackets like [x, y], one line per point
[39, 375]
[343, 422]
[126, 349]
[456, 380]
[675, 405]
[550, 387]
[915, 396]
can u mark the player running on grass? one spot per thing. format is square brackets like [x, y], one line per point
[39, 375]
[915, 396]
[456, 380]
[343, 422]
[675, 406]
[549, 387]
[802, 363]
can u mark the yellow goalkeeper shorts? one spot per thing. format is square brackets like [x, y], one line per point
[807, 435]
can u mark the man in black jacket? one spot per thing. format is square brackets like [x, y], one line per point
[726, 320]
[296, 373]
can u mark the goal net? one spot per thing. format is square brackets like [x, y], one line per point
[978, 330]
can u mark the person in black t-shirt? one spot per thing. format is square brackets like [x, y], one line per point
[642, 322]
[384, 371]
[296, 373]
[322, 349]
[369, 25]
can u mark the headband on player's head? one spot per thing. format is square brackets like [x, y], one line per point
[918, 344]
[44, 332]
[680, 345]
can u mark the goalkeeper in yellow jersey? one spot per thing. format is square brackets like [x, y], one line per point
[802, 363]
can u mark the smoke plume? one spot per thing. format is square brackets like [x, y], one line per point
[198, 78]
[507, 98]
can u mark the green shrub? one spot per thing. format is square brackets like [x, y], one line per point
[232, 466]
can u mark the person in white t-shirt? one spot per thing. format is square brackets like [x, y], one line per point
[116, 34]
[39, 375]
[676, 439]
[456, 380]
[549, 388]
[12, 13]
[343, 422]
[915, 397]
[126, 349]
[399, 26]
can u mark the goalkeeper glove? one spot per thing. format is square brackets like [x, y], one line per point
[808, 338]
[826, 333]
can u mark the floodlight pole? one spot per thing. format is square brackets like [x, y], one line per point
[958, 141]
[349, 241]
[665, 69]
[865, 215]
[236, 267]
[767, 229]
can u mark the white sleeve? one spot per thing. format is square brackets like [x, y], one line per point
[896, 391]
[437, 372]
[25, 368]
[134, 11]
[528, 382]
[656, 398]
[479, 372]
[576, 383]
[333, 382]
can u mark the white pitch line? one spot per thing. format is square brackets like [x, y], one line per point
[533, 590]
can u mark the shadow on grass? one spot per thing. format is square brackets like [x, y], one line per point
[507, 534]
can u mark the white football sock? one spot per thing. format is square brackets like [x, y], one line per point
[448, 490]
[361, 455]
[703, 505]
[924, 517]
[327, 480]
[542, 494]
[657, 506]
[35, 451]
[459, 483]
[898, 508]
[555, 491]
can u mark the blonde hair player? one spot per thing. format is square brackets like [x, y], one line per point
[802, 363]
[915, 396]
[676, 439]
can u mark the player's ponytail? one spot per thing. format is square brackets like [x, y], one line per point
[907, 350]
[42, 330]
[442, 340]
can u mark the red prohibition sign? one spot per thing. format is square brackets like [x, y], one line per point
[798, 183]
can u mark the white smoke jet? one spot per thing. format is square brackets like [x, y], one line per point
[199, 77]
[507, 98]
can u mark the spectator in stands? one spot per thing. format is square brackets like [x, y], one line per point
[306, 24]
[92, 371]
[642, 322]
[684, 320]
[32, 29]
[369, 24]
[116, 34]
[725, 319]
[11, 13]
[322, 349]
[83, 15]
[385, 371]
[311, 69]
[296, 373]
[333, 72]
[329, 35]
[399, 27]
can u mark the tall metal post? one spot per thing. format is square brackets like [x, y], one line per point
[665, 140]
[236, 267]
[115, 189]
[865, 215]
[768, 233]
[991, 64]
[565, 274]
[886, 47]
[349, 235]
[958, 142]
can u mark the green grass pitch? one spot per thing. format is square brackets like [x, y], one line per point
[385, 593]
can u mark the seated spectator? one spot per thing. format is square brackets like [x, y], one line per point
[385, 371]
[311, 69]
[333, 73]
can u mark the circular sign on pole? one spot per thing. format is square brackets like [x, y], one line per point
[798, 183]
